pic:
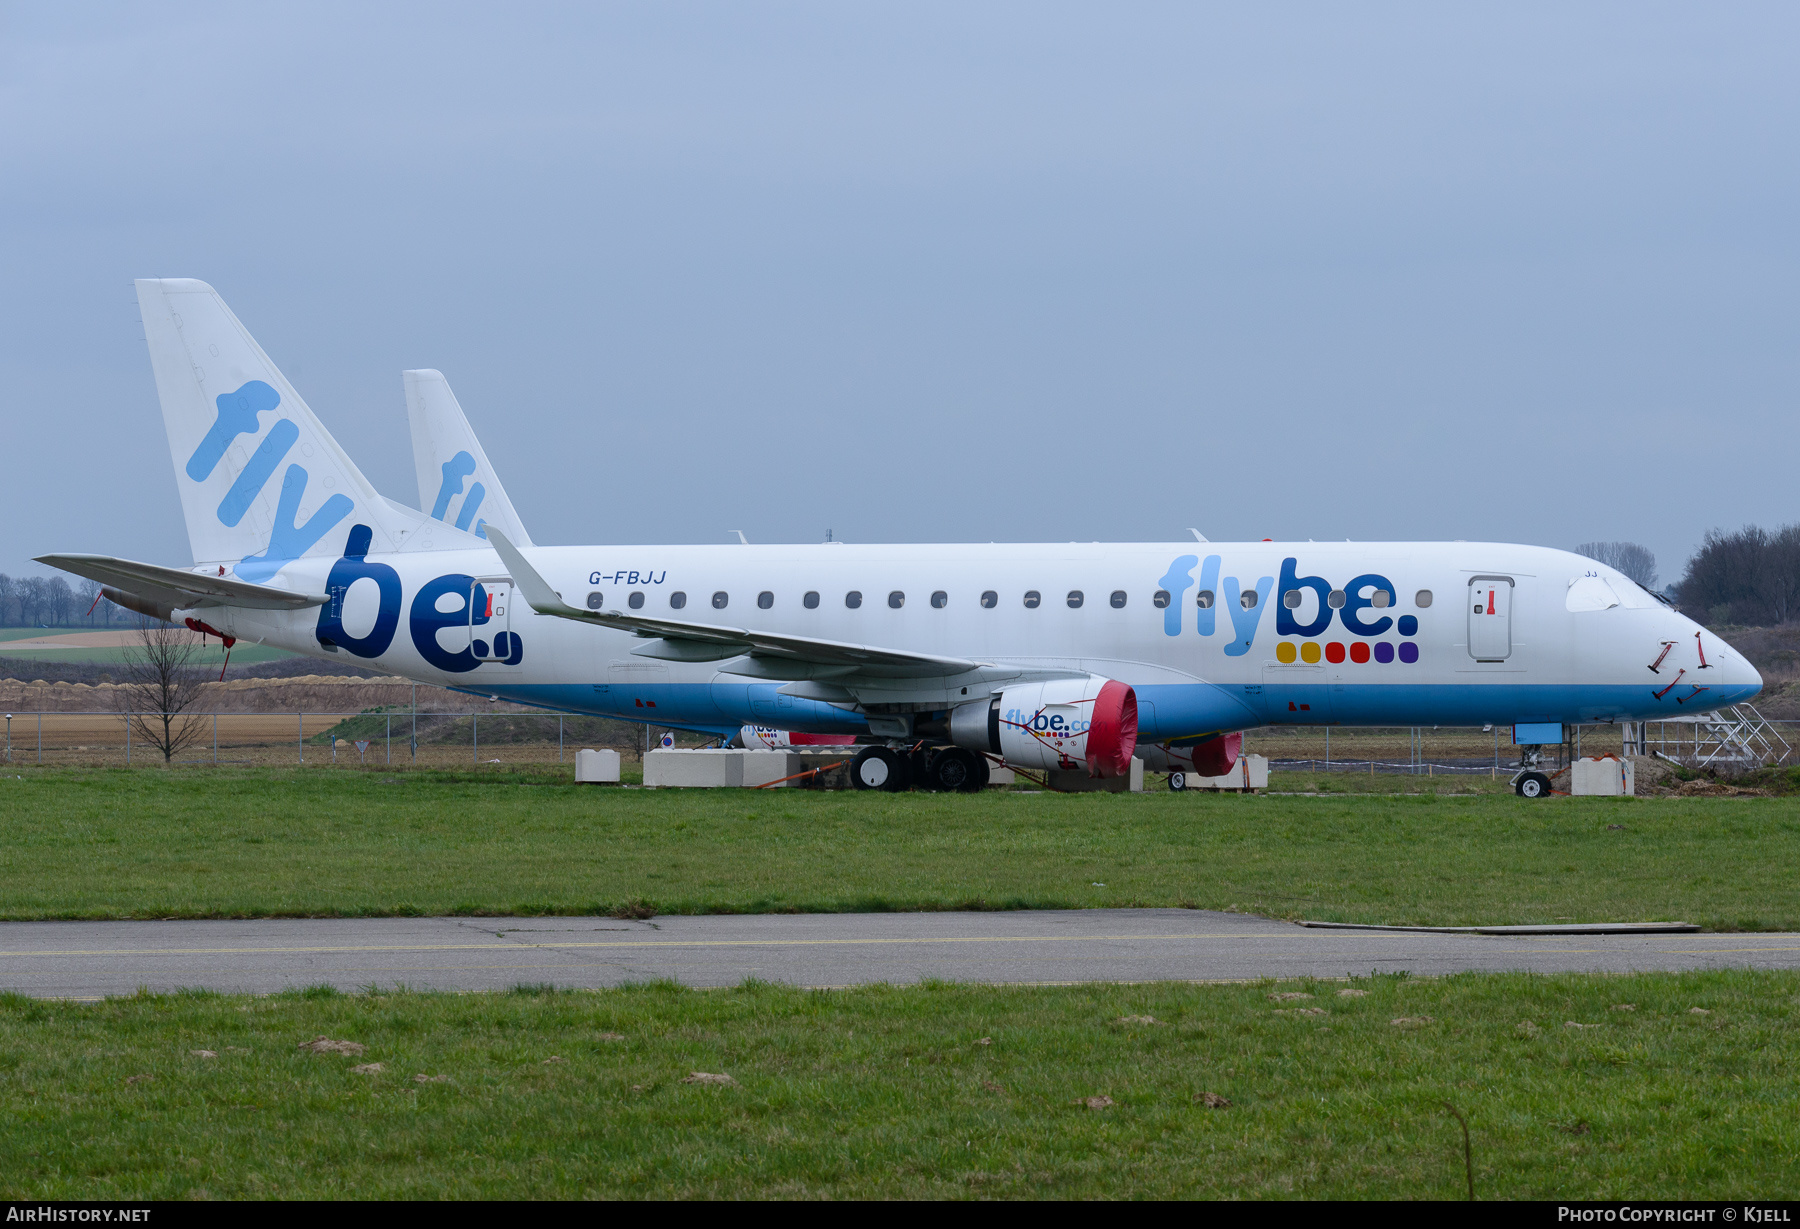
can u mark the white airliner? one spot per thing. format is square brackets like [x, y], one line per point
[1042, 656]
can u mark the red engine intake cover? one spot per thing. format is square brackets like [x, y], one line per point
[1112, 734]
[1216, 756]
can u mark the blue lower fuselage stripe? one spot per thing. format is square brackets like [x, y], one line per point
[1165, 711]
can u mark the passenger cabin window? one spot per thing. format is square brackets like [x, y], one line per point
[1032, 598]
[677, 600]
[896, 600]
[989, 599]
[1160, 599]
[1204, 599]
[1382, 599]
[1247, 599]
[1291, 599]
[811, 600]
[1335, 599]
[721, 600]
[1075, 599]
[853, 599]
[764, 600]
[635, 601]
[1422, 598]
[596, 600]
[1118, 599]
[939, 600]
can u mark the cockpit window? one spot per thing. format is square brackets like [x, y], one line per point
[1589, 593]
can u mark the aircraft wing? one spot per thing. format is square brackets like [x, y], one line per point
[178, 587]
[831, 653]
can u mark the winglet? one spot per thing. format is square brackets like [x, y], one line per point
[538, 593]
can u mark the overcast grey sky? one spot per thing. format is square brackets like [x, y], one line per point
[934, 272]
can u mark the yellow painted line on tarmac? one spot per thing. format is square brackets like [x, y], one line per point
[614, 943]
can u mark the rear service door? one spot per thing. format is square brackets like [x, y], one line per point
[490, 621]
[1490, 617]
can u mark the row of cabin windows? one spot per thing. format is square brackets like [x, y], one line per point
[1033, 599]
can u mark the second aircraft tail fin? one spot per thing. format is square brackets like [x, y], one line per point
[457, 483]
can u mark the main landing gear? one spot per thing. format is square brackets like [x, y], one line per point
[896, 769]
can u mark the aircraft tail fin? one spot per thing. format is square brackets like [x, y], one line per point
[457, 483]
[262, 482]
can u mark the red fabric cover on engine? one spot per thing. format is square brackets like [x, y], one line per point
[1112, 731]
[820, 740]
[1216, 756]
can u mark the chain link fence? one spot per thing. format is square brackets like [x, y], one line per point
[399, 737]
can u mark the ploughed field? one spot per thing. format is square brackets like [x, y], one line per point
[1657, 1086]
[317, 841]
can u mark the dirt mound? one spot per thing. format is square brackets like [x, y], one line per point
[309, 693]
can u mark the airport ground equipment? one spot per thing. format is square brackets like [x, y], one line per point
[1734, 737]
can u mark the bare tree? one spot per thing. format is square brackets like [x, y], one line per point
[60, 599]
[1628, 557]
[162, 682]
[29, 593]
[87, 601]
[1751, 576]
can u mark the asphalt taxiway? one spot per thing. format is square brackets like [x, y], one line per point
[94, 959]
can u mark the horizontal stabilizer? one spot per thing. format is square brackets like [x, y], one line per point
[178, 587]
[545, 600]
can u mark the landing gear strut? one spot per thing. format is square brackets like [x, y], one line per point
[1528, 782]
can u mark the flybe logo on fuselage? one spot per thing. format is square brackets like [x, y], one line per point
[239, 413]
[1359, 606]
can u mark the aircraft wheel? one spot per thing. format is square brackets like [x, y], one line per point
[880, 768]
[956, 769]
[1178, 781]
[1533, 785]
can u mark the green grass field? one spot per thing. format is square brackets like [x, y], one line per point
[930, 1091]
[243, 842]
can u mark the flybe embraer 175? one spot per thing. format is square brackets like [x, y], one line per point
[941, 658]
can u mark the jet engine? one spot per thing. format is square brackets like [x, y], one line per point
[1067, 723]
[1212, 757]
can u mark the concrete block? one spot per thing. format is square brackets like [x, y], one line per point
[1604, 775]
[768, 767]
[597, 767]
[694, 768]
[1076, 781]
[1001, 776]
[1250, 772]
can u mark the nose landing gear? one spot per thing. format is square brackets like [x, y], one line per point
[1528, 782]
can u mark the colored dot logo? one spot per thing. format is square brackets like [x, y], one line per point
[1361, 652]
